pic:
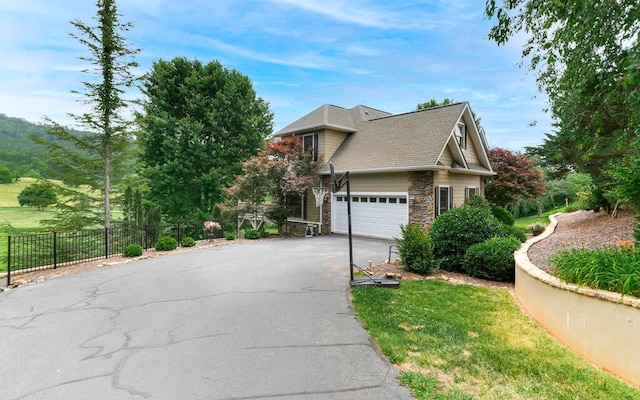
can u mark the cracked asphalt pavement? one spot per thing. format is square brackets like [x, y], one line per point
[260, 320]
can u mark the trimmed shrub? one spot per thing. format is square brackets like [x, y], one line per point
[512, 231]
[477, 201]
[132, 250]
[454, 231]
[230, 236]
[166, 243]
[251, 234]
[492, 259]
[416, 249]
[188, 242]
[537, 228]
[503, 215]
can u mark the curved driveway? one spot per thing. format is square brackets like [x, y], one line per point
[260, 320]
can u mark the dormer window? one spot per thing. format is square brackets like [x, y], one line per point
[311, 142]
[461, 135]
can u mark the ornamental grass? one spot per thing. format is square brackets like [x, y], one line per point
[612, 268]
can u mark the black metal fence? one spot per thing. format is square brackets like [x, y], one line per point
[53, 249]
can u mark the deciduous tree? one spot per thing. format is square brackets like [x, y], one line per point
[517, 177]
[585, 57]
[279, 172]
[40, 195]
[200, 122]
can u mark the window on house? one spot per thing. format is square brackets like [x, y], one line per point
[296, 207]
[403, 200]
[393, 200]
[311, 142]
[444, 199]
[461, 135]
[373, 200]
[383, 199]
[471, 191]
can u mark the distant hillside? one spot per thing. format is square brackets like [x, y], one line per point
[17, 150]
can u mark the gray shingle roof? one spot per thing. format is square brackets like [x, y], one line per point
[413, 140]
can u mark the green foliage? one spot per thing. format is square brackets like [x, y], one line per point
[6, 176]
[252, 234]
[132, 250]
[589, 67]
[18, 153]
[525, 208]
[616, 269]
[458, 229]
[199, 123]
[503, 215]
[91, 160]
[38, 195]
[537, 228]
[416, 249]
[188, 242]
[564, 189]
[477, 201]
[282, 172]
[593, 199]
[492, 259]
[636, 231]
[516, 233]
[166, 243]
[230, 236]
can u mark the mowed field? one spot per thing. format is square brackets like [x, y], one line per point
[12, 216]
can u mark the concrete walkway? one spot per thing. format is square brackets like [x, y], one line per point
[261, 320]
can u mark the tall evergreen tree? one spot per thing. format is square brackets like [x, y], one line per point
[200, 123]
[94, 157]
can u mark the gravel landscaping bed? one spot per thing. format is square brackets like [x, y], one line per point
[583, 229]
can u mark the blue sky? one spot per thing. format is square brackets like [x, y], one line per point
[299, 54]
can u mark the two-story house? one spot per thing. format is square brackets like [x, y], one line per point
[404, 168]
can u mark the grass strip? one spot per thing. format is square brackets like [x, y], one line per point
[466, 342]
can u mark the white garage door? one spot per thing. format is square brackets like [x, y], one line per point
[372, 214]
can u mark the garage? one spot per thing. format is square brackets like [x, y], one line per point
[372, 214]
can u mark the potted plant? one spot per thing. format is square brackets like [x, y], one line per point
[212, 228]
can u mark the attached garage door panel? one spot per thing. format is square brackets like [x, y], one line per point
[377, 215]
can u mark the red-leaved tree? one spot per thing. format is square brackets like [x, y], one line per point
[517, 177]
[279, 172]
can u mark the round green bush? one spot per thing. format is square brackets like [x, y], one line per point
[230, 236]
[188, 242]
[516, 233]
[454, 231]
[132, 250]
[492, 259]
[252, 234]
[503, 215]
[416, 249]
[166, 243]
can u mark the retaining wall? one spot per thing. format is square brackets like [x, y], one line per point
[601, 326]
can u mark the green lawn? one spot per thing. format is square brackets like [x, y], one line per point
[465, 342]
[523, 222]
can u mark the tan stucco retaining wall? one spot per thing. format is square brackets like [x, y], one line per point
[601, 326]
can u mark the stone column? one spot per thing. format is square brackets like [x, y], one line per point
[421, 198]
[326, 206]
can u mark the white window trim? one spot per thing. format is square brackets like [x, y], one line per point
[468, 189]
[461, 135]
[438, 199]
[314, 144]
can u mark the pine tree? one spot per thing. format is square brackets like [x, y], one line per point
[89, 157]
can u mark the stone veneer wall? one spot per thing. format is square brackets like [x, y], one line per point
[421, 198]
[601, 326]
[326, 206]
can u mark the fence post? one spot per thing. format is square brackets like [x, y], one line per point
[55, 249]
[106, 242]
[8, 260]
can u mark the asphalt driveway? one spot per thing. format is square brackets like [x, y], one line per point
[261, 320]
